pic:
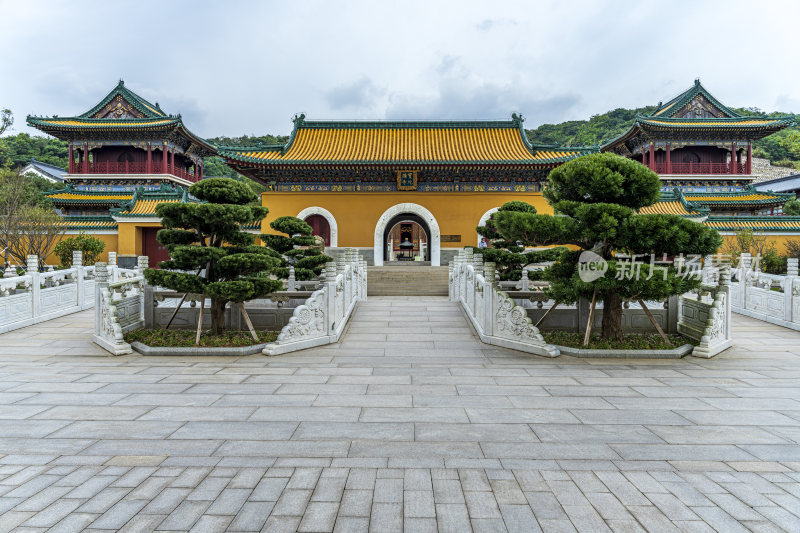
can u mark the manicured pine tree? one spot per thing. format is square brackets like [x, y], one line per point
[599, 196]
[298, 247]
[210, 254]
[510, 256]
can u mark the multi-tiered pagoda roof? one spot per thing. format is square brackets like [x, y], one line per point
[694, 115]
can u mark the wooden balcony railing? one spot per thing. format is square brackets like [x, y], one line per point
[699, 168]
[126, 167]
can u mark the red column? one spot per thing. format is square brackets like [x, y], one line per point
[749, 164]
[85, 158]
[149, 166]
[172, 161]
[652, 158]
[71, 166]
[644, 157]
[669, 159]
[733, 158]
[201, 170]
[164, 159]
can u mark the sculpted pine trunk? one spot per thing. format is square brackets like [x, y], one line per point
[612, 316]
[217, 315]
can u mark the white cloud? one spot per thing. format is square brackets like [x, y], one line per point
[245, 67]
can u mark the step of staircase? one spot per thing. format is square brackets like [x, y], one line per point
[407, 281]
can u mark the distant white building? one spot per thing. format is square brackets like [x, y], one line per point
[43, 170]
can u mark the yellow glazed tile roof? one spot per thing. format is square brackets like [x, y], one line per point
[714, 123]
[146, 207]
[87, 223]
[738, 198]
[494, 142]
[775, 223]
[403, 144]
[102, 123]
[667, 208]
[89, 197]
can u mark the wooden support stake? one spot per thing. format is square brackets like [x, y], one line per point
[653, 321]
[200, 320]
[247, 320]
[174, 313]
[591, 319]
[546, 313]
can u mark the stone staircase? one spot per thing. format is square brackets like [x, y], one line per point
[407, 281]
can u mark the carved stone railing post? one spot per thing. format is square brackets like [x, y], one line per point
[488, 295]
[330, 294]
[36, 284]
[113, 273]
[788, 290]
[526, 282]
[142, 262]
[792, 266]
[10, 271]
[77, 264]
[291, 282]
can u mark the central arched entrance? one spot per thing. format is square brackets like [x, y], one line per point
[416, 214]
[407, 236]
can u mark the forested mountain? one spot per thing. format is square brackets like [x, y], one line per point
[782, 148]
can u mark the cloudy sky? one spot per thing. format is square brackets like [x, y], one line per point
[245, 67]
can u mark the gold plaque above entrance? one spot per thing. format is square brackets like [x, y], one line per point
[406, 180]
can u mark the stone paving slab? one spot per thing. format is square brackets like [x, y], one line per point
[408, 424]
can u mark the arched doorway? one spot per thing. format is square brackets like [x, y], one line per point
[402, 211]
[406, 237]
[484, 218]
[333, 229]
[320, 227]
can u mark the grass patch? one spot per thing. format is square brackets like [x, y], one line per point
[632, 341]
[178, 338]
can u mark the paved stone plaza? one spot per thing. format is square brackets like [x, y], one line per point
[410, 423]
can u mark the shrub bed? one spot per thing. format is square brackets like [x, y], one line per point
[632, 341]
[177, 338]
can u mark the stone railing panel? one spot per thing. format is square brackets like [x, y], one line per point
[38, 296]
[497, 319]
[324, 315]
[705, 315]
[119, 308]
[768, 297]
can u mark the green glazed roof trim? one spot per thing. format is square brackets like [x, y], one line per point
[149, 110]
[677, 103]
[693, 209]
[165, 192]
[727, 223]
[103, 222]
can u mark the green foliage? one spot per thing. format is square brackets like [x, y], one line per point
[634, 341]
[6, 120]
[792, 207]
[602, 178]
[205, 241]
[90, 246]
[298, 248]
[511, 258]
[596, 196]
[17, 150]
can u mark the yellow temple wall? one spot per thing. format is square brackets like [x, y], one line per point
[778, 239]
[110, 240]
[357, 213]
